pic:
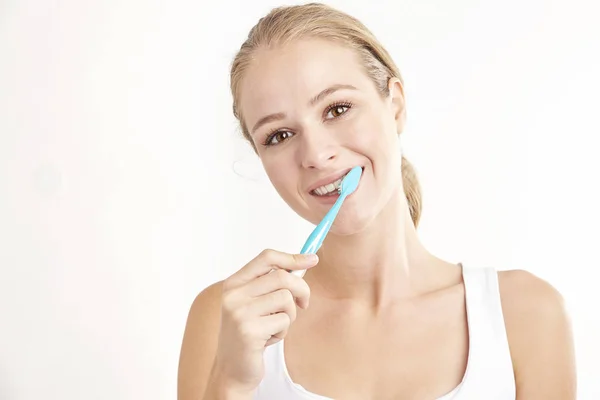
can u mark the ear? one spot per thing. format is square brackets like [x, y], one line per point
[398, 103]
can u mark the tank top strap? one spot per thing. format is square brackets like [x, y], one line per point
[489, 366]
[484, 308]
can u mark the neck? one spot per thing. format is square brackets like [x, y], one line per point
[382, 264]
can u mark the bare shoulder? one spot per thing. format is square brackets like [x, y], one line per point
[522, 291]
[199, 342]
[530, 304]
[208, 300]
[539, 335]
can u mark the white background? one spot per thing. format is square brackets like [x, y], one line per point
[119, 201]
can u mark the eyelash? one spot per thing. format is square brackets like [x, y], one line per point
[330, 108]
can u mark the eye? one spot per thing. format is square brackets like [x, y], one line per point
[277, 137]
[337, 110]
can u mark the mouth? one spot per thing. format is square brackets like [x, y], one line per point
[332, 188]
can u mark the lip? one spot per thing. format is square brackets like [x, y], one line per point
[329, 179]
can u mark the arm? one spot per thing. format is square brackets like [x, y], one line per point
[198, 378]
[539, 336]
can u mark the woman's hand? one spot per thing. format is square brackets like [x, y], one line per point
[258, 306]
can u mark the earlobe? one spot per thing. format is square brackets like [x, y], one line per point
[396, 91]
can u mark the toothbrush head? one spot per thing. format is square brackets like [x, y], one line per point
[350, 182]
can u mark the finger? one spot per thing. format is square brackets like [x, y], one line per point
[275, 338]
[268, 260]
[278, 336]
[279, 279]
[275, 327]
[272, 303]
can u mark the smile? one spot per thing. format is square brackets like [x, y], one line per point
[330, 188]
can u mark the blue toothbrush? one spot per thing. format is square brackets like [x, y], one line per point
[314, 241]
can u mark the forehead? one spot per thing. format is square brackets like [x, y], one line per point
[285, 78]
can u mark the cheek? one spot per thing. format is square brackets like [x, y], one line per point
[275, 174]
[375, 138]
[370, 135]
[283, 177]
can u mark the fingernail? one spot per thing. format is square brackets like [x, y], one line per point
[313, 258]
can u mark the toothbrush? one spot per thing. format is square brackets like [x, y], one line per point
[314, 241]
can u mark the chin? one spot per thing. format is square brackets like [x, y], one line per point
[347, 222]
[351, 222]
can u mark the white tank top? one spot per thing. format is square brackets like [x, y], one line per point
[489, 372]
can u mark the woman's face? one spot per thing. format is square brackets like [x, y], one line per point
[313, 114]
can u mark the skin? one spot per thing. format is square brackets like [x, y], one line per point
[400, 308]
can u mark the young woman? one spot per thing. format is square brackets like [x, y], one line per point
[316, 94]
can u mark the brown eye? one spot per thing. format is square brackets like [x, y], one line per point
[278, 137]
[337, 111]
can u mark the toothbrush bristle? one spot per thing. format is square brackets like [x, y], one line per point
[350, 181]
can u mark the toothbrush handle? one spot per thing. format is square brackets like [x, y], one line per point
[314, 241]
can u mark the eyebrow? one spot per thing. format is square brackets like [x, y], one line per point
[328, 91]
[279, 116]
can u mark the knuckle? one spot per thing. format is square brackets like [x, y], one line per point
[228, 301]
[305, 288]
[298, 286]
[247, 330]
[288, 296]
[283, 277]
[284, 296]
[238, 314]
[297, 258]
[267, 254]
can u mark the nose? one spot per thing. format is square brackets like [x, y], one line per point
[318, 149]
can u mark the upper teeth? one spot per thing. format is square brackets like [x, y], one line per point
[326, 189]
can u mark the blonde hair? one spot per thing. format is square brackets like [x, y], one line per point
[314, 20]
